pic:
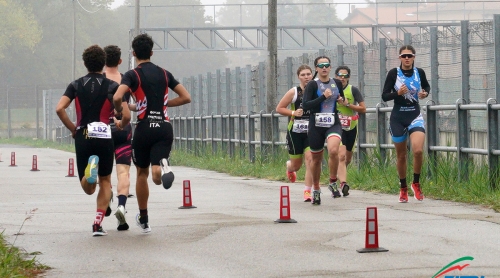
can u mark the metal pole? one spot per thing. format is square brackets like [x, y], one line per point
[272, 48]
[73, 70]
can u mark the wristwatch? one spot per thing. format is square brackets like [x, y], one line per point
[347, 105]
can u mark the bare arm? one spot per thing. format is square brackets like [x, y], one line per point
[284, 102]
[183, 96]
[64, 103]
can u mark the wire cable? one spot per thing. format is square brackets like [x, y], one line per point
[90, 12]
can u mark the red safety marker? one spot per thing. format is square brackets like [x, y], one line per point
[71, 168]
[186, 192]
[285, 207]
[371, 239]
[34, 164]
[12, 159]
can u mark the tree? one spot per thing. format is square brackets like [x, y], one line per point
[18, 25]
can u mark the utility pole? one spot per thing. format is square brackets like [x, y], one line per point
[272, 49]
[136, 30]
[73, 70]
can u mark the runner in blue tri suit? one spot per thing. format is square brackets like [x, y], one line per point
[405, 85]
[320, 99]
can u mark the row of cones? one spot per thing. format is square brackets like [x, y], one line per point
[371, 238]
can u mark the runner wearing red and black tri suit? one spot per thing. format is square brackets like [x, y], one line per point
[92, 94]
[151, 87]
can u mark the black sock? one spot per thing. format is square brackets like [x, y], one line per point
[143, 212]
[402, 182]
[122, 200]
[416, 178]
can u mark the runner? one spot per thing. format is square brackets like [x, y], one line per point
[150, 86]
[405, 85]
[92, 133]
[320, 97]
[349, 110]
[296, 136]
[122, 139]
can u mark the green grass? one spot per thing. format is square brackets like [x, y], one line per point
[15, 262]
[375, 175]
[37, 143]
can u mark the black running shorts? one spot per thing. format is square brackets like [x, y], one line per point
[86, 147]
[151, 143]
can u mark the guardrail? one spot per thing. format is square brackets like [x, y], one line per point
[263, 131]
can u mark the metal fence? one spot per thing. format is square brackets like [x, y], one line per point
[460, 60]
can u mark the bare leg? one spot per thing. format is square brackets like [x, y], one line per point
[401, 158]
[342, 169]
[122, 173]
[141, 187]
[417, 139]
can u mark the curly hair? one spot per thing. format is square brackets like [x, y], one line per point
[113, 55]
[142, 46]
[94, 58]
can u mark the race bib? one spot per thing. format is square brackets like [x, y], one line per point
[300, 126]
[324, 119]
[99, 130]
[345, 121]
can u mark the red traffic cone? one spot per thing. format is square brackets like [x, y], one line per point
[34, 164]
[285, 207]
[71, 168]
[12, 159]
[186, 192]
[371, 239]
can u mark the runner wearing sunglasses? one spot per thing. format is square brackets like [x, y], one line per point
[320, 98]
[296, 135]
[348, 114]
[405, 85]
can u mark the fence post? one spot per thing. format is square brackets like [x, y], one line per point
[263, 151]
[340, 55]
[214, 133]
[407, 38]
[196, 124]
[201, 102]
[362, 155]
[432, 117]
[232, 132]
[275, 133]
[251, 137]
[249, 89]
[462, 141]
[262, 86]
[492, 118]
[381, 116]
[228, 91]
[289, 72]
[432, 136]
[241, 131]
[496, 30]
[381, 132]
[189, 133]
[9, 119]
[203, 134]
[223, 136]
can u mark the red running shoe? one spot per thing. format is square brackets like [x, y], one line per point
[417, 191]
[292, 176]
[403, 195]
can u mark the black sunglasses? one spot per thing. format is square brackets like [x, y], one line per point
[345, 75]
[404, 56]
[323, 65]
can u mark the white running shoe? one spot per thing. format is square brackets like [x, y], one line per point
[167, 177]
[142, 222]
[120, 216]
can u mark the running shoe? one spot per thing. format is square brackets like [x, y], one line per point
[91, 169]
[316, 197]
[403, 195]
[334, 189]
[417, 191]
[292, 176]
[142, 222]
[307, 195]
[120, 216]
[344, 187]
[108, 210]
[98, 231]
[167, 177]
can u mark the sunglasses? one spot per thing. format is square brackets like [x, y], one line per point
[404, 56]
[323, 65]
[345, 75]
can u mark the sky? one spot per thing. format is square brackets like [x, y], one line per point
[342, 10]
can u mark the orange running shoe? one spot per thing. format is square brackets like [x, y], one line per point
[307, 195]
[403, 195]
[417, 191]
[292, 176]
